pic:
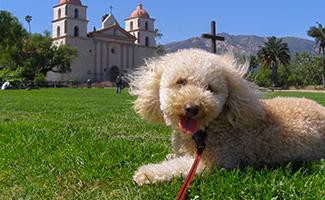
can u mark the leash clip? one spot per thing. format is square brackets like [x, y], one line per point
[199, 138]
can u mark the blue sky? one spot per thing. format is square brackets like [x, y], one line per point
[182, 19]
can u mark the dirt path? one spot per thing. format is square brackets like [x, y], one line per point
[314, 91]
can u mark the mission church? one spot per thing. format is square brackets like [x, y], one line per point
[106, 52]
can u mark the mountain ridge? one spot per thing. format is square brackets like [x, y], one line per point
[241, 44]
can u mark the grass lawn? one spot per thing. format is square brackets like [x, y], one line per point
[87, 143]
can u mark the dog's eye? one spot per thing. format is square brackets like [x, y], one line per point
[181, 81]
[211, 89]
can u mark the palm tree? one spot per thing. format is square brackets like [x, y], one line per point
[28, 19]
[319, 34]
[253, 63]
[158, 34]
[273, 53]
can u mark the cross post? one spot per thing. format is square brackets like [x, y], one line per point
[213, 37]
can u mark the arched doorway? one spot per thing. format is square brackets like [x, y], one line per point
[114, 73]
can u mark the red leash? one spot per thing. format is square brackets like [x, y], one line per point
[182, 192]
[199, 138]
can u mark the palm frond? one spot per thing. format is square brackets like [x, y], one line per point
[318, 33]
[274, 51]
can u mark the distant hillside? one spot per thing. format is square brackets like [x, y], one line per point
[240, 44]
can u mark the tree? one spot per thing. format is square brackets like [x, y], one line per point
[41, 56]
[30, 55]
[158, 34]
[273, 53]
[252, 66]
[160, 50]
[11, 30]
[262, 78]
[305, 70]
[28, 19]
[319, 34]
[253, 63]
[12, 36]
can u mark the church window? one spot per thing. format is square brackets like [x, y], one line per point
[146, 26]
[59, 13]
[76, 13]
[138, 37]
[147, 42]
[112, 50]
[76, 31]
[131, 26]
[66, 10]
[58, 31]
[65, 26]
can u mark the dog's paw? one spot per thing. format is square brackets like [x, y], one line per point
[141, 178]
[152, 173]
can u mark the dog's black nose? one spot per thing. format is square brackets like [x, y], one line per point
[191, 110]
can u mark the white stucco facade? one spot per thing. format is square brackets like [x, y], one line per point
[103, 53]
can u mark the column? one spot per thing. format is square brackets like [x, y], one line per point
[95, 61]
[122, 55]
[127, 56]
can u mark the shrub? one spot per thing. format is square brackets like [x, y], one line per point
[14, 77]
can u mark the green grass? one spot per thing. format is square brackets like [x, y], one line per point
[86, 144]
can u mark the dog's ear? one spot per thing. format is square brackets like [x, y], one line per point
[145, 84]
[243, 108]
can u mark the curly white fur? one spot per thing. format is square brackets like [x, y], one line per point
[242, 129]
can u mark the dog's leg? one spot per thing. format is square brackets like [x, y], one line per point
[165, 171]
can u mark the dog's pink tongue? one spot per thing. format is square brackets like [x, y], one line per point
[188, 126]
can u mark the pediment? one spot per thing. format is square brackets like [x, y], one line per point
[114, 31]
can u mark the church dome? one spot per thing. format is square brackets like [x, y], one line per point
[75, 2]
[139, 12]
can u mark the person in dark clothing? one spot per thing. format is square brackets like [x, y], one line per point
[119, 84]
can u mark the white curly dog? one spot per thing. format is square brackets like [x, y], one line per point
[193, 89]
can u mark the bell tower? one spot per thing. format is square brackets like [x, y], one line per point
[69, 20]
[69, 27]
[140, 25]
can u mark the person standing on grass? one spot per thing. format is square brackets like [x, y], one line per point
[118, 82]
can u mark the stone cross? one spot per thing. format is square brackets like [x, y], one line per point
[213, 37]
